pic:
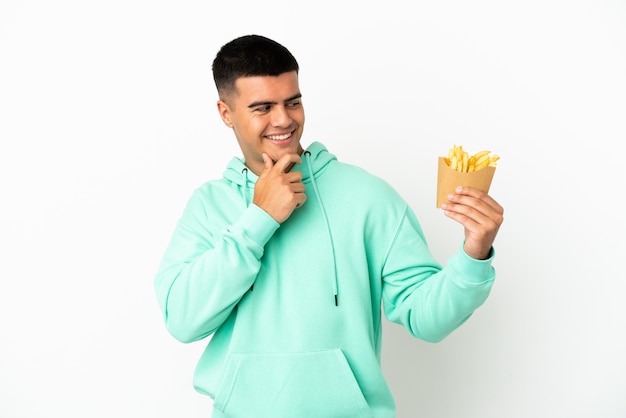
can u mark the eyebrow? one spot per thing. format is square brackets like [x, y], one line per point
[255, 104]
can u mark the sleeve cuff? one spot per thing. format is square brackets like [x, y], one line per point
[257, 224]
[473, 270]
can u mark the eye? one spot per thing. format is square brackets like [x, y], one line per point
[262, 109]
[294, 104]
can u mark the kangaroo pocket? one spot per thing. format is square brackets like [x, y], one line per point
[316, 384]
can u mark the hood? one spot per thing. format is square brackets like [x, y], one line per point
[314, 159]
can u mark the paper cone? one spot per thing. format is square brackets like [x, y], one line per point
[449, 179]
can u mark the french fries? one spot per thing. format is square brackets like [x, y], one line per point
[458, 159]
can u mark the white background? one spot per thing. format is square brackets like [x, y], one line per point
[108, 122]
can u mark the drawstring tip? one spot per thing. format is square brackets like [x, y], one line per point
[336, 304]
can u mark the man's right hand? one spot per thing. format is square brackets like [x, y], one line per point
[279, 191]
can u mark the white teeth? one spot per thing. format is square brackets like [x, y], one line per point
[279, 137]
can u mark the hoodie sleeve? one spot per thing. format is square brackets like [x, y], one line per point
[203, 275]
[431, 301]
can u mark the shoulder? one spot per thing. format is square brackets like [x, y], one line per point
[212, 186]
[345, 185]
[361, 180]
[215, 196]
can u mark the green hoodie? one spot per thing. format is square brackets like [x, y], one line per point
[293, 310]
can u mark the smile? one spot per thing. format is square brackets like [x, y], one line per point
[279, 137]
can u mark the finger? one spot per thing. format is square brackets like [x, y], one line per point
[471, 211]
[287, 161]
[294, 177]
[268, 163]
[476, 194]
[297, 186]
[301, 200]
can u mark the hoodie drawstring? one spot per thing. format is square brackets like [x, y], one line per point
[244, 188]
[244, 194]
[307, 154]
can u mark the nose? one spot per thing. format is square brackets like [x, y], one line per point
[280, 116]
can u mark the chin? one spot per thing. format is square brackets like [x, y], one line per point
[293, 148]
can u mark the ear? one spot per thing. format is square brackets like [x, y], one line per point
[224, 111]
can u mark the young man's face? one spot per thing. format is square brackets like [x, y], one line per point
[266, 115]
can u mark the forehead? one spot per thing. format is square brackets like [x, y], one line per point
[268, 88]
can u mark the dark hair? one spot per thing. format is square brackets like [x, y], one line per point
[248, 56]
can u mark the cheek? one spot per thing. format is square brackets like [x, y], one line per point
[299, 117]
[245, 128]
[254, 126]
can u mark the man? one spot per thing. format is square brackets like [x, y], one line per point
[288, 260]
